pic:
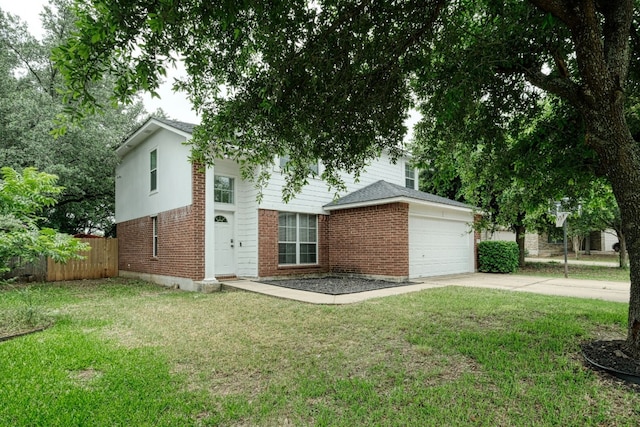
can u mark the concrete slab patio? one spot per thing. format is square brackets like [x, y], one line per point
[595, 289]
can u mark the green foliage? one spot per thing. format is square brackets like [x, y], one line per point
[31, 106]
[23, 197]
[497, 256]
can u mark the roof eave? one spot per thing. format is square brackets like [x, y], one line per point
[147, 129]
[399, 199]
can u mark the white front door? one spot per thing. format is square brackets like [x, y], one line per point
[225, 245]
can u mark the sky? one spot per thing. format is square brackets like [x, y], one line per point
[175, 105]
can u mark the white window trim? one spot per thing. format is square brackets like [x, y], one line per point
[154, 238]
[415, 176]
[279, 167]
[154, 190]
[233, 190]
[298, 242]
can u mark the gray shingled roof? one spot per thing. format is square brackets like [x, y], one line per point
[183, 126]
[381, 190]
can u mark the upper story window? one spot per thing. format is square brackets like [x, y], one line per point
[223, 189]
[154, 249]
[409, 176]
[297, 238]
[313, 167]
[153, 170]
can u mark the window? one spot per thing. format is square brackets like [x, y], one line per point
[313, 167]
[154, 221]
[409, 176]
[223, 189]
[297, 238]
[153, 170]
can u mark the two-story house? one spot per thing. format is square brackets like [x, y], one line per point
[178, 224]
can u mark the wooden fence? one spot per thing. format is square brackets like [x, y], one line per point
[101, 261]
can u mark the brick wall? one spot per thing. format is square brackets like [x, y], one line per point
[372, 240]
[180, 239]
[268, 248]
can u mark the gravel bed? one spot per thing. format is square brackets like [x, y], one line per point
[336, 285]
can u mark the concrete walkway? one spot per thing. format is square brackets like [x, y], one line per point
[594, 289]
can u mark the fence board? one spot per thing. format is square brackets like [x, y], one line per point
[29, 272]
[101, 261]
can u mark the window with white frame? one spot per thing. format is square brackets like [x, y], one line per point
[154, 221]
[153, 170]
[409, 176]
[297, 238]
[313, 167]
[223, 189]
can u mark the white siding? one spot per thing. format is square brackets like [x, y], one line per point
[133, 198]
[245, 211]
[609, 237]
[317, 194]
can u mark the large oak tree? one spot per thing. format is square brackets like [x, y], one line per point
[333, 79]
[84, 157]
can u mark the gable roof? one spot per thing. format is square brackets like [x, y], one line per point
[183, 126]
[384, 192]
[152, 125]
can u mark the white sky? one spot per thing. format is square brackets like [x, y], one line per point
[175, 105]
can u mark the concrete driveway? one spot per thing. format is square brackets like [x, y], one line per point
[595, 289]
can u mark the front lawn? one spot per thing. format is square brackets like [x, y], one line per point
[592, 272]
[130, 353]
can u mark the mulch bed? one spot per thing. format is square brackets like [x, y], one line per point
[613, 356]
[335, 285]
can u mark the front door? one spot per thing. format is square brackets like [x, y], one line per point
[225, 245]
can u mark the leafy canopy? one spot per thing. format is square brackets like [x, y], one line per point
[268, 79]
[84, 156]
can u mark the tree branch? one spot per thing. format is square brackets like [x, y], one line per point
[616, 30]
[557, 8]
[563, 87]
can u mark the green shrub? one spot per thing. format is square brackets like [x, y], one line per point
[498, 256]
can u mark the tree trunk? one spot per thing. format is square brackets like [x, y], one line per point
[577, 243]
[520, 233]
[587, 245]
[624, 259]
[601, 37]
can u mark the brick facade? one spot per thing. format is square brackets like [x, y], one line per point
[371, 240]
[268, 248]
[180, 239]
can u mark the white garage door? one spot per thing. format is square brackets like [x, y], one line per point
[439, 246]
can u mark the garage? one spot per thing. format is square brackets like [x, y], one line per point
[440, 241]
[393, 232]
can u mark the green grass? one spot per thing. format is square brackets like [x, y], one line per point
[591, 272]
[130, 353]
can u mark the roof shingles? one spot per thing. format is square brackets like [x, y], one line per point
[183, 126]
[382, 190]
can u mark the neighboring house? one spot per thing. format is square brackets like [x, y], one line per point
[544, 244]
[178, 224]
